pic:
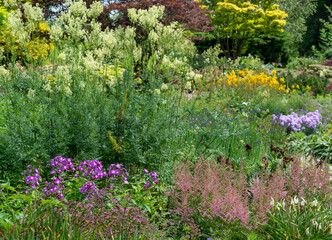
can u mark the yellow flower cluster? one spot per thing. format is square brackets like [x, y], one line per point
[249, 80]
[37, 47]
[111, 74]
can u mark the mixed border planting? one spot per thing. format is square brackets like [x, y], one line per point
[121, 127]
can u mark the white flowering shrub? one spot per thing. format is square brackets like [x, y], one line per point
[147, 49]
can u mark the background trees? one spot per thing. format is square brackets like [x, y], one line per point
[237, 22]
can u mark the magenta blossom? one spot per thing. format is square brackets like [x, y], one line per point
[153, 174]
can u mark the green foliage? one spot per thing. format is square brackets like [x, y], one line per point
[317, 84]
[314, 24]
[318, 146]
[302, 219]
[296, 27]
[301, 63]
[278, 48]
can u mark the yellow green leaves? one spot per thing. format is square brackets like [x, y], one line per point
[240, 19]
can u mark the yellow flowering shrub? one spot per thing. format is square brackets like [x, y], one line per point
[26, 36]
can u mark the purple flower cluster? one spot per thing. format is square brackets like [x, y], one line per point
[92, 169]
[117, 170]
[88, 188]
[60, 164]
[54, 187]
[153, 175]
[32, 180]
[297, 123]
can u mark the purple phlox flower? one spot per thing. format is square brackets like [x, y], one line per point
[56, 181]
[26, 191]
[29, 179]
[33, 186]
[93, 169]
[29, 166]
[125, 180]
[111, 186]
[119, 165]
[60, 196]
[114, 172]
[155, 180]
[88, 187]
[53, 172]
[76, 175]
[59, 170]
[153, 174]
[147, 185]
[145, 171]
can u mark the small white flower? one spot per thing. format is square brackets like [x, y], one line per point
[82, 85]
[31, 93]
[157, 91]
[307, 231]
[188, 86]
[164, 87]
[314, 203]
[62, 56]
[3, 71]
[303, 201]
[67, 90]
[245, 103]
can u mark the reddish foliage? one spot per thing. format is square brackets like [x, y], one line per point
[327, 63]
[186, 12]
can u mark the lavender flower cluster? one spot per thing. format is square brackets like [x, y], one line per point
[297, 123]
[90, 170]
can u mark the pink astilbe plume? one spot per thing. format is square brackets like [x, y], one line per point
[263, 190]
[215, 191]
[220, 193]
[307, 179]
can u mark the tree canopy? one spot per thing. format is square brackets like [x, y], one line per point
[238, 21]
